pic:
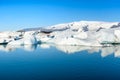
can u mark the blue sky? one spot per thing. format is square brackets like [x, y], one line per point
[19, 14]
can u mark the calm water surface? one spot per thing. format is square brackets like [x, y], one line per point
[50, 62]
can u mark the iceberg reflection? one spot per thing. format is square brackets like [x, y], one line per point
[105, 51]
[9, 48]
[30, 47]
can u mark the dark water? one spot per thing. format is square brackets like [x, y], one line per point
[44, 62]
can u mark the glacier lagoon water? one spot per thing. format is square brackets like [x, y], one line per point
[50, 62]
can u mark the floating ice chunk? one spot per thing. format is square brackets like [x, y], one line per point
[16, 42]
[29, 39]
[5, 40]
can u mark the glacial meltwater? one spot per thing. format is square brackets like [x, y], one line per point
[53, 62]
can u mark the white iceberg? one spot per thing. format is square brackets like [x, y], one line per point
[27, 39]
[87, 33]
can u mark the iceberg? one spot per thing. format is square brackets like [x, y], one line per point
[86, 33]
[27, 39]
